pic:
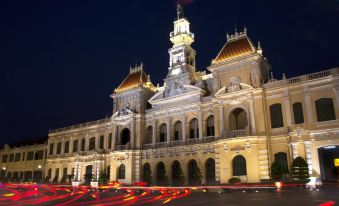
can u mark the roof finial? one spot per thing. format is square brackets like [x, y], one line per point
[235, 27]
[245, 30]
[180, 11]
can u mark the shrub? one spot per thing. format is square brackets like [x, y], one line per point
[300, 169]
[234, 180]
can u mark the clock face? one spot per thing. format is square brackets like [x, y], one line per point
[176, 71]
[178, 58]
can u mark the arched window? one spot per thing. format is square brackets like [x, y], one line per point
[163, 133]
[91, 143]
[194, 129]
[194, 173]
[210, 170]
[149, 135]
[210, 126]
[161, 174]
[125, 136]
[281, 159]
[147, 173]
[177, 131]
[121, 171]
[239, 166]
[298, 113]
[83, 143]
[276, 116]
[59, 148]
[75, 146]
[325, 109]
[238, 119]
[178, 177]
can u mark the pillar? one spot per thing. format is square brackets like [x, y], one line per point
[183, 123]
[154, 132]
[308, 103]
[200, 125]
[252, 115]
[221, 120]
[168, 127]
[308, 155]
[288, 109]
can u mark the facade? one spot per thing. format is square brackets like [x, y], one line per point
[24, 161]
[234, 121]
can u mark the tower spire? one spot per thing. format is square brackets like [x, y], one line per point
[180, 11]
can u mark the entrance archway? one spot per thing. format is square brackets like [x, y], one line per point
[125, 136]
[239, 167]
[88, 174]
[194, 173]
[329, 162]
[210, 171]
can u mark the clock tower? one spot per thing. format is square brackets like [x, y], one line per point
[181, 69]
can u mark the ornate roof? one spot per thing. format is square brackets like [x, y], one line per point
[236, 46]
[136, 77]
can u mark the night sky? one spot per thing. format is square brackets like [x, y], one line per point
[60, 60]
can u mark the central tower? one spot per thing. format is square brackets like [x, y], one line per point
[181, 69]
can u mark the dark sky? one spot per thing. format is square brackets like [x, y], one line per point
[60, 60]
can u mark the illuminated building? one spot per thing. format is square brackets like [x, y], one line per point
[234, 121]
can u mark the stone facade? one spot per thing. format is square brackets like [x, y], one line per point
[233, 122]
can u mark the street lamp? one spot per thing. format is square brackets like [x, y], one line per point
[39, 166]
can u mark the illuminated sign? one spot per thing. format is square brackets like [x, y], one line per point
[336, 162]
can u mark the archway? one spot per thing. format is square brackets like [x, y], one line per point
[163, 133]
[194, 129]
[210, 171]
[147, 173]
[88, 174]
[125, 136]
[239, 167]
[194, 173]
[238, 119]
[178, 177]
[329, 162]
[162, 178]
[121, 172]
[177, 131]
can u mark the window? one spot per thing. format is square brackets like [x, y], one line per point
[66, 148]
[276, 116]
[11, 158]
[177, 131]
[17, 157]
[149, 135]
[64, 172]
[59, 148]
[30, 156]
[325, 109]
[23, 156]
[163, 133]
[281, 159]
[75, 146]
[39, 155]
[110, 138]
[239, 166]
[102, 139]
[50, 173]
[51, 148]
[298, 113]
[210, 126]
[92, 143]
[121, 172]
[83, 142]
[4, 158]
[194, 129]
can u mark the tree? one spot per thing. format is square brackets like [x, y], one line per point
[300, 169]
[88, 178]
[103, 178]
[177, 175]
[162, 178]
[194, 175]
[70, 177]
[278, 171]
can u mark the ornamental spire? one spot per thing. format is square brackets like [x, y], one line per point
[180, 11]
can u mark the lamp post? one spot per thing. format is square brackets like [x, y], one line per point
[3, 174]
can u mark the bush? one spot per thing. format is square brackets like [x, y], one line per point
[300, 169]
[103, 178]
[278, 171]
[234, 180]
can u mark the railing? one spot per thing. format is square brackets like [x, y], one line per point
[148, 146]
[209, 139]
[177, 143]
[193, 141]
[306, 77]
[122, 147]
[86, 124]
[172, 34]
[234, 133]
[161, 144]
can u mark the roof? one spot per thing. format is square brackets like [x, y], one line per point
[137, 77]
[28, 142]
[235, 47]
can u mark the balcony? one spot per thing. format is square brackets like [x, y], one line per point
[122, 147]
[234, 133]
[208, 139]
[148, 146]
[177, 143]
[193, 141]
[161, 144]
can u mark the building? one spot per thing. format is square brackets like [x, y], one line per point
[233, 121]
[24, 160]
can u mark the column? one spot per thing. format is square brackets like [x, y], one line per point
[308, 103]
[132, 135]
[70, 148]
[79, 143]
[106, 140]
[287, 109]
[62, 145]
[97, 141]
[295, 151]
[168, 124]
[86, 142]
[221, 120]
[55, 147]
[336, 93]
[183, 123]
[308, 155]
[200, 126]
[252, 115]
[115, 137]
[154, 132]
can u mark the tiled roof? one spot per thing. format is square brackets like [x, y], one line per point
[134, 79]
[235, 48]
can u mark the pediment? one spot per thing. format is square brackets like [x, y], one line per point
[232, 88]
